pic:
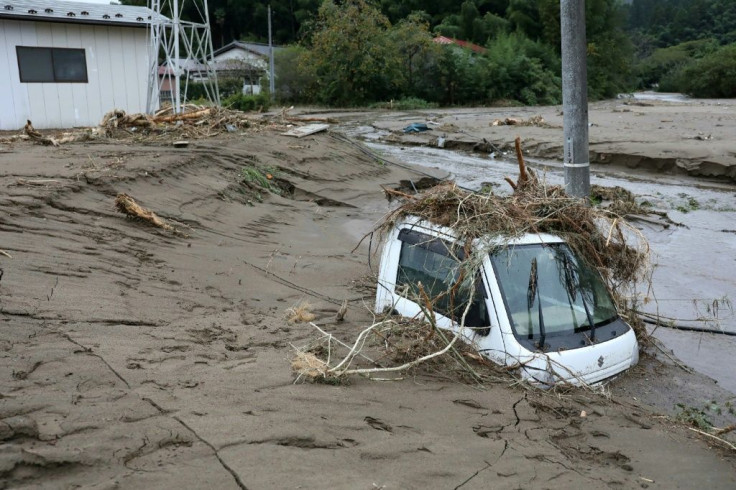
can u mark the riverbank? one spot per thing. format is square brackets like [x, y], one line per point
[675, 137]
[137, 357]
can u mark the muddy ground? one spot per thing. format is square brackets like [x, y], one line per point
[133, 357]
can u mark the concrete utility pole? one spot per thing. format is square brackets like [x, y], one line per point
[177, 68]
[271, 81]
[575, 98]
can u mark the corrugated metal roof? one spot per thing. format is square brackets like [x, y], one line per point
[77, 12]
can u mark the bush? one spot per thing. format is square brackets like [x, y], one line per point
[247, 103]
[226, 86]
[406, 104]
[713, 76]
[524, 70]
[292, 83]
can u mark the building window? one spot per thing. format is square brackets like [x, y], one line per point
[52, 65]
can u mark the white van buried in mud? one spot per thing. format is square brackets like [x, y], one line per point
[533, 303]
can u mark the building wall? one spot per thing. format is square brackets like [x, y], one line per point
[117, 70]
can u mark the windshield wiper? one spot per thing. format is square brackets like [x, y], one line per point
[533, 290]
[571, 287]
[590, 317]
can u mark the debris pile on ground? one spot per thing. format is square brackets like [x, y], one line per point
[194, 122]
[622, 202]
[31, 133]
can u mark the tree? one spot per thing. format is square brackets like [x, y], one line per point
[351, 56]
[413, 42]
[292, 84]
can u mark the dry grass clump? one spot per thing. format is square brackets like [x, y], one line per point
[392, 348]
[300, 313]
[599, 236]
[407, 339]
[618, 200]
[309, 366]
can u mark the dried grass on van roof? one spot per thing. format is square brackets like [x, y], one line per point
[600, 236]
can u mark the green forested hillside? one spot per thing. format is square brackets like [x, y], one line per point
[348, 52]
[685, 45]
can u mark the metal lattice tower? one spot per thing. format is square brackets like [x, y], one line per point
[184, 46]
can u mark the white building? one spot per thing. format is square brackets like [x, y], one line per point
[65, 64]
[245, 60]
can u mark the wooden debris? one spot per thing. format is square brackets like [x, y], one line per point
[119, 119]
[342, 311]
[193, 123]
[37, 182]
[36, 136]
[3, 252]
[184, 116]
[524, 176]
[127, 205]
[306, 130]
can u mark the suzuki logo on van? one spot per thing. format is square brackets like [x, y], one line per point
[600, 361]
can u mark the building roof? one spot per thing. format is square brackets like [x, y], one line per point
[458, 42]
[257, 48]
[78, 12]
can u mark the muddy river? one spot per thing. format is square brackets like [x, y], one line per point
[694, 264]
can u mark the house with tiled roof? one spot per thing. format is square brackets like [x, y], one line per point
[458, 42]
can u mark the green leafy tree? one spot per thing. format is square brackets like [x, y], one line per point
[523, 70]
[413, 42]
[351, 56]
[292, 84]
[469, 14]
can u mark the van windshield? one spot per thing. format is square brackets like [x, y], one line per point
[550, 294]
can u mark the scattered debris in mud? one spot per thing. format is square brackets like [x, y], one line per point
[623, 203]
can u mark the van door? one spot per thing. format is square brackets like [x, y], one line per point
[429, 269]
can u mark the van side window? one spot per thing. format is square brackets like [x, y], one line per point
[434, 263]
